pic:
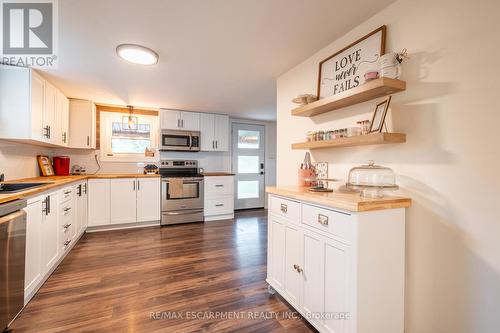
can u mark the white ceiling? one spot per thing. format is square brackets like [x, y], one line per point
[215, 55]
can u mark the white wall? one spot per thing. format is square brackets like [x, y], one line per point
[19, 160]
[449, 165]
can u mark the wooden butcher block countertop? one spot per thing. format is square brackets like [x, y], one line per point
[58, 181]
[341, 200]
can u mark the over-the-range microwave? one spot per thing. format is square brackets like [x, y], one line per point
[180, 140]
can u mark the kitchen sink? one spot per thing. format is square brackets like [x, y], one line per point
[6, 188]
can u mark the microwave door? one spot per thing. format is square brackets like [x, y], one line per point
[175, 141]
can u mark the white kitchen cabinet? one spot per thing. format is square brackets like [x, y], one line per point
[218, 197]
[29, 107]
[99, 202]
[123, 200]
[33, 262]
[82, 200]
[179, 120]
[346, 265]
[50, 231]
[293, 262]
[82, 124]
[62, 119]
[148, 199]
[214, 132]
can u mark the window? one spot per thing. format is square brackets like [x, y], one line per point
[128, 139]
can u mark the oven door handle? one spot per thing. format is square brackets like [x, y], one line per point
[183, 213]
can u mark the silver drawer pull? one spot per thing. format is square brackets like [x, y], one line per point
[284, 208]
[298, 269]
[219, 185]
[66, 243]
[219, 205]
[322, 219]
[66, 226]
[67, 192]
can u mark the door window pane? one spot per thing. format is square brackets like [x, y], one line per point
[248, 189]
[248, 139]
[248, 164]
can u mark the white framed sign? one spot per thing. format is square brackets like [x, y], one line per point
[344, 70]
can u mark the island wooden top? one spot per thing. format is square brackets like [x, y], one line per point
[217, 174]
[342, 200]
[59, 181]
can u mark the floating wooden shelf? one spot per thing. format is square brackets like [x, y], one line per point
[360, 140]
[370, 90]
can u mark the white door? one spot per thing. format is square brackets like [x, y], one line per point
[37, 106]
[170, 119]
[293, 265]
[221, 132]
[63, 111]
[82, 124]
[248, 143]
[83, 208]
[148, 199]
[50, 232]
[190, 121]
[276, 248]
[49, 114]
[312, 272]
[123, 200]
[98, 202]
[33, 267]
[335, 286]
[207, 122]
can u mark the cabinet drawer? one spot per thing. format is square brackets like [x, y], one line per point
[286, 208]
[222, 185]
[336, 223]
[219, 206]
[66, 194]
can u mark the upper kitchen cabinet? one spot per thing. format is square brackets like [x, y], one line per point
[179, 120]
[214, 132]
[31, 109]
[82, 124]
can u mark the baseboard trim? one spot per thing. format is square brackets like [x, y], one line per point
[123, 226]
[219, 217]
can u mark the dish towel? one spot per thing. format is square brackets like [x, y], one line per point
[175, 188]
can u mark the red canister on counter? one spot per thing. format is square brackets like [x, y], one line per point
[61, 165]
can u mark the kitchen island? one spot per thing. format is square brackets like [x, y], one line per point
[338, 259]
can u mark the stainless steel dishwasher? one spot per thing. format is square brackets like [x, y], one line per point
[12, 256]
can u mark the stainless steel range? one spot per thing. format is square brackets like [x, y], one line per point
[181, 192]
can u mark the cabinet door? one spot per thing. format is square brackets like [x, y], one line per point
[276, 248]
[98, 202]
[123, 201]
[335, 285]
[82, 206]
[50, 232]
[33, 266]
[82, 124]
[148, 199]
[293, 277]
[37, 106]
[170, 119]
[190, 121]
[221, 133]
[63, 119]
[312, 272]
[207, 122]
[49, 114]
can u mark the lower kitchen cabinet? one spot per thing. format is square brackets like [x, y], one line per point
[218, 197]
[51, 231]
[99, 202]
[343, 271]
[123, 200]
[148, 199]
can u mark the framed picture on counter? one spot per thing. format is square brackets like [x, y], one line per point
[45, 165]
[378, 119]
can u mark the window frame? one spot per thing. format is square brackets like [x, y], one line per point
[106, 130]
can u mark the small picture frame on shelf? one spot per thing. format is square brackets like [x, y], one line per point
[45, 165]
[378, 119]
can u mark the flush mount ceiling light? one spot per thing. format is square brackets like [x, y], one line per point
[137, 54]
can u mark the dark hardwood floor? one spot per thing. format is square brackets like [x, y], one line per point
[184, 278]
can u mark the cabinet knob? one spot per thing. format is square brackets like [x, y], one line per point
[322, 219]
[297, 268]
